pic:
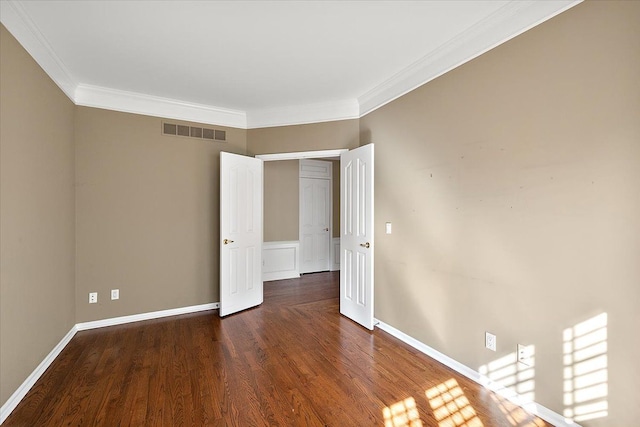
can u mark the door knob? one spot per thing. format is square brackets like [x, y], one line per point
[326, 229]
[227, 241]
[365, 245]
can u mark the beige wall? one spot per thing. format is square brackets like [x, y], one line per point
[37, 235]
[147, 214]
[309, 137]
[281, 182]
[282, 199]
[513, 183]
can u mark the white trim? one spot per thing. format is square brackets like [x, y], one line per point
[24, 388]
[146, 316]
[138, 103]
[321, 154]
[509, 21]
[315, 169]
[20, 25]
[281, 260]
[303, 114]
[335, 256]
[532, 407]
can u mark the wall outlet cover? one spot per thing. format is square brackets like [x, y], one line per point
[93, 297]
[115, 294]
[490, 341]
[524, 354]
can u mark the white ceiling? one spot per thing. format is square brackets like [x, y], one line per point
[259, 63]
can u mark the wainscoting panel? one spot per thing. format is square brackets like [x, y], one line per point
[281, 260]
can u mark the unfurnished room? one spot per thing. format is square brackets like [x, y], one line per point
[320, 213]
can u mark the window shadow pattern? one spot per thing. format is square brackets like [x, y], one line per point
[585, 370]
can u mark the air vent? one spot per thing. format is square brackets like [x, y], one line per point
[208, 133]
[169, 129]
[183, 130]
[194, 132]
[221, 135]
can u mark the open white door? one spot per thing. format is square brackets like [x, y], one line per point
[241, 180]
[356, 235]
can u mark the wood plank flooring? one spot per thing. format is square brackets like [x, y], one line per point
[293, 361]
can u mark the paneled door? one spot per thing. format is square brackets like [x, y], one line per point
[315, 225]
[241, 198]
[356, 235]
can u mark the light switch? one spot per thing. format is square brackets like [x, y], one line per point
[388, 227]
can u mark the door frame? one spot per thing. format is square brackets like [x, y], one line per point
[320, 154]
[302, 155]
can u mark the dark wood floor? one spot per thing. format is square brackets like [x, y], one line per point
[293, 361]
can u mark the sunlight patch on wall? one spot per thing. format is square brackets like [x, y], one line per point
[451, 407]
[516, 377]
[516, 415]
[402, 414]
[585, 370]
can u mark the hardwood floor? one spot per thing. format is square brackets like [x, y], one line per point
[293, 361]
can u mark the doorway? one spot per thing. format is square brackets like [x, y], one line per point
[284, 255]
[356, 230]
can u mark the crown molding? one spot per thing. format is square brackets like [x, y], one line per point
[138, 103]
[506, 23]
[509, 21]
[17, 21]
[303, 114]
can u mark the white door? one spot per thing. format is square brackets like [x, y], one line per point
[315, 224]
[356, 235]
[240, 233]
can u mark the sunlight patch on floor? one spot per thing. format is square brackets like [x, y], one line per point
[451, 407]
[516, 415]
[402, 414]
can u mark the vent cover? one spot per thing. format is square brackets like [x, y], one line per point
[194, 132]
[221, 135]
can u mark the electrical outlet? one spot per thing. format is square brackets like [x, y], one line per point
[490, 341]
[115, 294]
[93, 297]
[524, 354]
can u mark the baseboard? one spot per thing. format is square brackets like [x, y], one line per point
[24, 388]
[532, 407]
[146, 316]
[283, 275]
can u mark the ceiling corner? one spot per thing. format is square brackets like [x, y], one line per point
[509, 21]
[17, 21]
